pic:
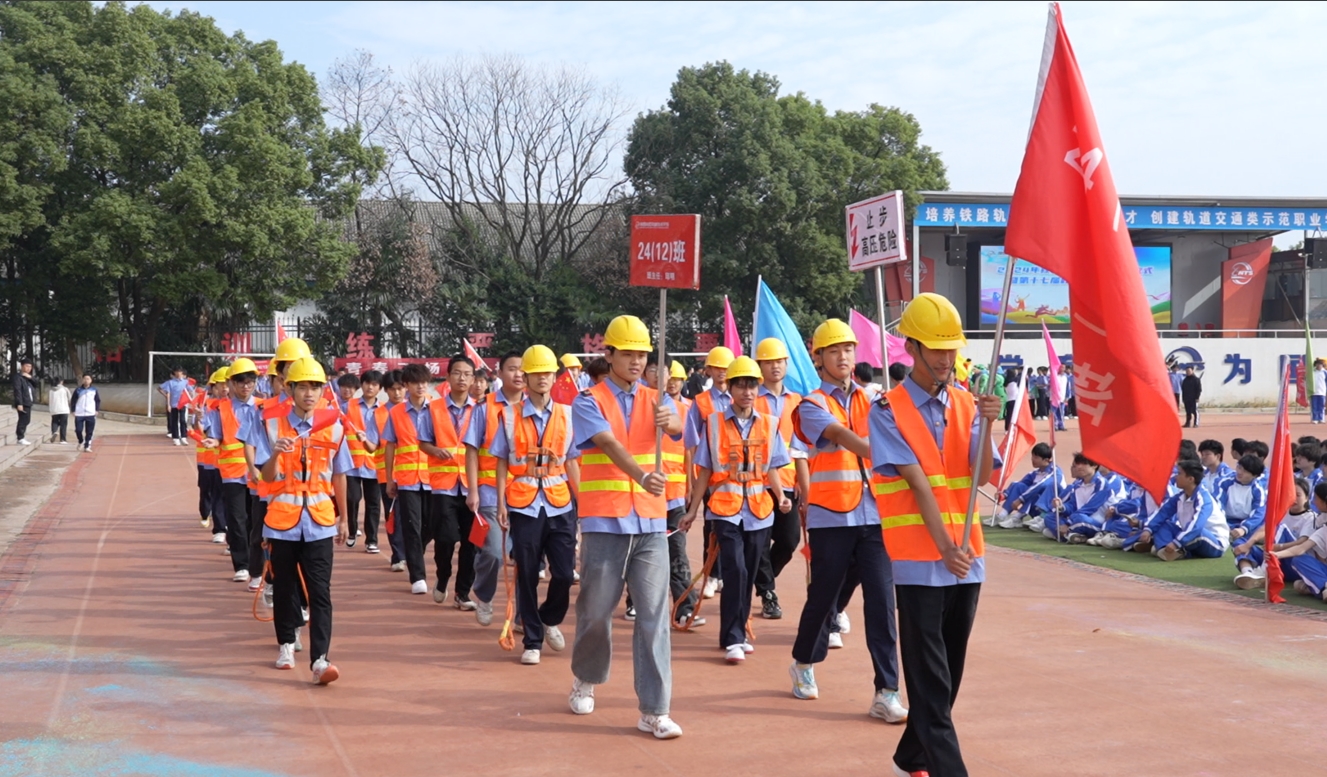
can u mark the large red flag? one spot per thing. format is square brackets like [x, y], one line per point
[1066, 217]
[1022, 436]
[1280, 489]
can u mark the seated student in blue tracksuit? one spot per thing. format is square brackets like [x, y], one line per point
[1211, 453]
[1243, 498]
[1189, 524]
[1257, 448]
[1020, 499]
[1126, 518]
[1296, 523]
[1319, 474]
[1307, 456]
[1078, 511]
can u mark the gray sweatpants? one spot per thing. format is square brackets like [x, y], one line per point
[488, 559]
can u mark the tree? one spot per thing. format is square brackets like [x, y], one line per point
[770, 176]
[196, 172]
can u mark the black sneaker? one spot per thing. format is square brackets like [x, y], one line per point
[770, 608]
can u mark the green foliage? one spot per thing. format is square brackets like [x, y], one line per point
[770, 176]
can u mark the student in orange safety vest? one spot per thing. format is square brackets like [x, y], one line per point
[481, 472]
[211, 504]
[706, 403]
[738, 465]
[924, 440]
[623, 524]
[409, 437]
[393, 388]
[843, 524]
[538, 476]
[362, 439]
[304, 471]
[225, 427]
[449, 519]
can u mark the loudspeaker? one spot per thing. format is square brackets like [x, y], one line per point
[956, 250]
[1315, 251]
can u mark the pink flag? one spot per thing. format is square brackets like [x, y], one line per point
[1054, 361]
[731, 340]
[868, 342]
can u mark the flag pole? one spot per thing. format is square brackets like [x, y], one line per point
[659, 373]
[984, 431]
[1004, 454]
[880, 313]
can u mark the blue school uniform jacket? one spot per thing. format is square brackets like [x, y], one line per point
[1101, 493]
[1245, 506]
[1207, 517]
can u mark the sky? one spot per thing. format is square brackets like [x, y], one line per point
[1210, 99]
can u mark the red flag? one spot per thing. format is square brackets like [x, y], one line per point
[280, 330]
[273, 409]
[1066, 218]
[1022, 436]
[473, 354]
[1280, 490]
[478, 531]
[324, 417]
[564, 389]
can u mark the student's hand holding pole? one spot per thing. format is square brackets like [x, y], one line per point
[284, 445]
[785, 504]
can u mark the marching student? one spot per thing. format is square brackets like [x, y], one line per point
[305, 469]
[481, 473]
[362, 481]
[537, 477]
[394, 389]
[738, 464]
[926, 451]
[1244, 500]
[1211, 453]
[408, 434]
[1190, 524]
[1020, 499]
[713, 400]
[843, 524]
[479, 389]
[226, 427]
[172, 389]
[1078, 512]
[211, 504]
[450, 519]
[623, 520]
[677, 463]
[775, 400]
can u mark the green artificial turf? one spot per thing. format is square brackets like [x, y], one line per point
[1215, 574]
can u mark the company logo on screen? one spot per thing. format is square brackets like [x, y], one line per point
[1037, 296]
[1241, 273]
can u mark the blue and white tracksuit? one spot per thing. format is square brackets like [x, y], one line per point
[1138, 505]
[1310, 567]
[1292, 527]
[1214, 480]
[1084, 510]
[1197, 523]
[1245, 508]
[1032, 487]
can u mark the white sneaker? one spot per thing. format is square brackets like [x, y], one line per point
[359, 532]
[439, 596]
[804, 681]
[286, 658]
[419, 587]
[888, 707]
[530, 657]
[1110, 541]
[553, 638]
[298, 643]
[835, 640]
[398, 566]
[323, 672]
[1095, 539]
[582, 697]
[735, 654]
[64, 442]
[1077, 539]
[845, 625]
[1048, 534]
[255, 583]
[575, 576]
[543, 574]
[24, 442]
[1249, 579]
[748, 648]
[241, 576]
[484, 613]
[219, 538]
[1011, 521]
[178, 442]
[304, 613]
[661, 726]
[370, 548]
[711, 588]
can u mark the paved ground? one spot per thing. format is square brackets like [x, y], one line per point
[126, 651]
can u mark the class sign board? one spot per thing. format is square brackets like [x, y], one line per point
[665, 251]
[875, 232]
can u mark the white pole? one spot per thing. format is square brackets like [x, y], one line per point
[916, 259]
[880, 314]
[150, 355]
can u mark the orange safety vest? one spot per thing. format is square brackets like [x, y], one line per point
[537, 463]
[444, 475]
[303, 476]
[837, 474]
[488, 464]
[787, 473]
[408, 465]
[206, 457]
[230, 452]
[606, 491]
[950, 477]
[704, 403]
[355, 442]
[380, 455]
[675, 457]
[738, 467]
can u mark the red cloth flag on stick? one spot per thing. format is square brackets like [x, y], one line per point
[1022, 436]
[1066, 218]
[1280, 489]
[473, 354]
[280, 330]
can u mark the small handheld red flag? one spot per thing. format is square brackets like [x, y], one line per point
[478, 531]
[564, 390]
[273, 409]
[325, 417]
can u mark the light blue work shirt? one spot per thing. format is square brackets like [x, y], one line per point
[502, 449]
[307, 529]
[246, 414]
[587, 421]
[778, 457]
[371, 436]
[815, 420]
[474, 438]
[797, 449]
[423, 430]
[889, 451]
[174, 388]
[691, 436]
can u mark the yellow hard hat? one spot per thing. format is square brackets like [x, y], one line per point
[292, 348]
[933, 321]
[832, 332]
[538, 358]
[771, 348]
[677, 371]
[720, 357]
[220, 376]
[744, 367]
[627, 333]
[241, 366]
[570, 360]
[305, 370]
